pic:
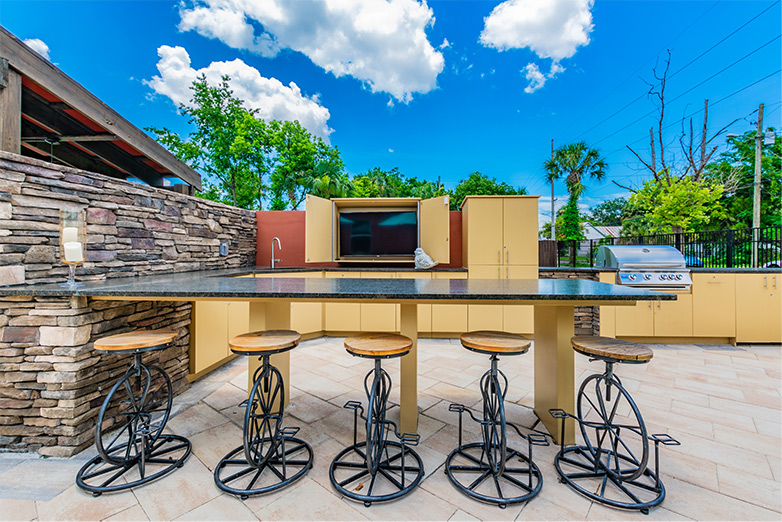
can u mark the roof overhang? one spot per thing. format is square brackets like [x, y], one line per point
[63, 120]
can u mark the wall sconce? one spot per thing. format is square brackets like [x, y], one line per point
[73, 242]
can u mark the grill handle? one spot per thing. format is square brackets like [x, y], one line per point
[650, 265]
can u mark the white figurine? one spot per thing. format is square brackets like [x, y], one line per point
[422, 259]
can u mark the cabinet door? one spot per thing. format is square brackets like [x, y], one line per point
[519, 319]
[435, 228]
[714, 305]
[608, 313]
[520, 231]
[424, 310]
[484, 231]
[486, 272]
[449, 318]
[637, 320]
[484, 317]
[673, 318]
[211, 334]
[759, 308]
[318, 230]
[520, 272]
[378, 317]
[341, 317]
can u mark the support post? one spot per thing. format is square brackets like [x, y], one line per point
[408, 401]
[273, 315]
[10, 109]
[756, 195]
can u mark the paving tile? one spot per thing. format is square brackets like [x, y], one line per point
[76, 504]
[132, 514]
[322, 387]
[698, 503]
[766, 444]
[462, 516]
[224, 507]
[439, 485]
[52, 477]
[195, 419]
[309, 500]
[17, 509]
[419, 504]
[602, 512]
[178, 493]
[750, 488]
[225, 396]
[211, 446]
[309, 408]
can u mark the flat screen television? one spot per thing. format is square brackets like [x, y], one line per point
[386, 234]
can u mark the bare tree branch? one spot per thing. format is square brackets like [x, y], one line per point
[650, 167]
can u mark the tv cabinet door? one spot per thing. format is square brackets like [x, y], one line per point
[318, 230]
[435, 228]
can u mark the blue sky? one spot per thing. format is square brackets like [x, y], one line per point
[439, 89]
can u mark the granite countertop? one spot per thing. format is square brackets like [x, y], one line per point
[224, 284]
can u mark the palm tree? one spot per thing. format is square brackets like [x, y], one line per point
[575, 161]
[326, 180]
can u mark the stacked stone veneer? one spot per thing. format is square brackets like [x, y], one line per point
[52, 381]
[587, 318]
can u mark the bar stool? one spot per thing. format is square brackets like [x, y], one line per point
[487, 470]
[385, 464]
[266, 445]
[129, 429]
[612, 465]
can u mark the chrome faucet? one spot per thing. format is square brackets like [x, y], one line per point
[279, 245]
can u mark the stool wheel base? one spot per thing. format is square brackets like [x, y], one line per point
[577, 467]
[284, 465]
[512, 485]
[395, 476]
[97, 475]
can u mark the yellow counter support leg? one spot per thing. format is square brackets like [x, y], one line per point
[409, 370]
[273, 315]
[554, 367]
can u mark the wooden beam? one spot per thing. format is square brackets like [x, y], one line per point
[10, 109]
[70, 156]
[37, 109]
[43, 72]
[96, 137]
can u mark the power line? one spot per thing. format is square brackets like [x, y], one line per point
[681, 69]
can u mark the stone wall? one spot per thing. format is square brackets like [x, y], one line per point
[131, 228]
[52, 381]
[587, 318]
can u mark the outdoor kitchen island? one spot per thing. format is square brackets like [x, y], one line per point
[270, 301]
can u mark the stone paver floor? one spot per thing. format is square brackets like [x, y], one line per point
[723, 404]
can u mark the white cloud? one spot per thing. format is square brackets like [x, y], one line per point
[38, 46]
[536, 78]
[550, 28]
[272, 99]
[445, 45]
[382, 43]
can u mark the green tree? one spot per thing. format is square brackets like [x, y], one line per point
[478, 184]
[215, 114]
[679, 205]
[609, 212]
[735, 171]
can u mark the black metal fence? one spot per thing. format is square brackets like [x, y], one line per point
[738, 248]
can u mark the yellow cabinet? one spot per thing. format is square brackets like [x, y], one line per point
[714, 305]
[608, 313]
[213, 323]
[635, 320]
[449, 318]
[424, 310]
[759, 308]
[673, 318]
[500, 230]
[378, 317]
[342, 317]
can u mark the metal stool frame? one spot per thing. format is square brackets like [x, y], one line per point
[140, 403]
[266, 444]
[377, 456]
[490, 458]
[609, 468]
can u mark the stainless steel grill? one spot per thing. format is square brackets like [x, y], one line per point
[646, 266]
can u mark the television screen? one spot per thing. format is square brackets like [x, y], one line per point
[373, 234]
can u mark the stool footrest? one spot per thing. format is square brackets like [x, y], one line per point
[538, 439]
[559, 413]
[458, 408]
[665, 439]
[353, 405]
[289, 431]
[410, 439]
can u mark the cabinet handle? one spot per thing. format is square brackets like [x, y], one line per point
[716, 282]
[507, 257]
[507, 275]
[775, 282]
[498, 272]
[499, 257]
[765, 282]
[650, 305]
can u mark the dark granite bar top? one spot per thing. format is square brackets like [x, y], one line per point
[283, 269]
[224, 284]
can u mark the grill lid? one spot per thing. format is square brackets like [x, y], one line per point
[648, 257]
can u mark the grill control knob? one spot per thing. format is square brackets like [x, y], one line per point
[647, 277]
[631, 277]
[678, 277]
[664, 276]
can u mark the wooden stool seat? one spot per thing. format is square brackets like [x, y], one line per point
[266, 342]
[378, 345]
[138, 341]
[495, 343]
[610, 348]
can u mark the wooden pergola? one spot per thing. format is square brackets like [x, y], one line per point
[45, 114]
